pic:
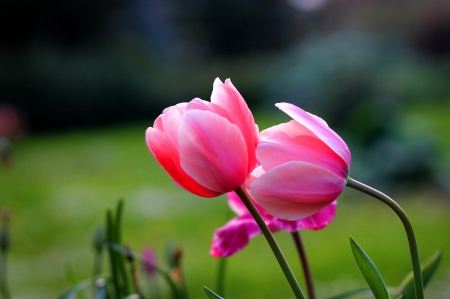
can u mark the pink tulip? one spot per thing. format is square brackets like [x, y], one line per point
[304, 166]
[150, 261]
[208, 148]
[235, 235]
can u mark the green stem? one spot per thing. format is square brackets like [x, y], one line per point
[220, 284]
[305, 265]
[414, 251]
[4, 289]
[272, 243]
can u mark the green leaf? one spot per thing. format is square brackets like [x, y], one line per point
[369, 271]
[112, 258]
[165, 274]
[402, 295]
[101, 290]
[428, 267]
[120, 260]
[120, 280]
[211, 294]
[354, 294]
[77, 288]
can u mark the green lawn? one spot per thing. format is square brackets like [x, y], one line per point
[60, 185]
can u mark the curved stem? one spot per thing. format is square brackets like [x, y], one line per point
[414, 251]
[272, 243]
[305, 265]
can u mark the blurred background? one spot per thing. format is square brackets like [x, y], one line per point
[80, 81]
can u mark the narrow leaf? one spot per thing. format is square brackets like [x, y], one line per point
[165, 275]
[100, 289]
[211, 294]
[402, 295]
[120, 260]
[77, 288]
[112, 259]
[369, 271]
[428, 267]
[354, 294]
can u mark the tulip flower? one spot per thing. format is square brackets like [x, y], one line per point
[208, 148]
[304, 166]
[149, 261]
[235, 235]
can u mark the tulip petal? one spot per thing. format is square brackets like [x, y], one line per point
[316, 221]
[239, 208]
[199, 104]
[287, 142]
[234, 236]
[162, 143]
[296, 190]
[319, 127]
[229, 98]
[212, 151]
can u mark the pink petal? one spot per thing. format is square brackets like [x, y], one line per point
[179, 107]
[319, 127]
[240, 209]
[212, 151]
[293, 142]
[198, 104]
[161, 142]
[234, 236]
[316, 221]
[236, 233]
[296, 190]
[228, 97]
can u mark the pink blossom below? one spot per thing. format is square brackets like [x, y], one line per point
[235, 235]
[150, 261]
[208, 148]
[304, 166]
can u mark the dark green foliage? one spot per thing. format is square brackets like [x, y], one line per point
[370, 272]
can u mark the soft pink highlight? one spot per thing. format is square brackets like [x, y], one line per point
[304, 166]
[236, 233]
[208, 148]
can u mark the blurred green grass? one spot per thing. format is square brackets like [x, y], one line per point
[60, 185]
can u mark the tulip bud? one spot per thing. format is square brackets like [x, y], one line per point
[149, 261]
[208, 148]
[99, 239]
[304, 166]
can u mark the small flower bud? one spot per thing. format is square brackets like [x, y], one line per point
[149, 261]
[99, 239]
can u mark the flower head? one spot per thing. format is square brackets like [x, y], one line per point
[235, 235]
[150, 261]
[304, 166]
[208, 148]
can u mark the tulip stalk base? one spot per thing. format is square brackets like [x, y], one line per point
[305, 265]
[414, 251]
[272, 243]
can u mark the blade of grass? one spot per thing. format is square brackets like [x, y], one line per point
[125, 285]
[369, 271]
[428, 267]
[211, 294]
[352, 294]
[112, 257]
[164, 274]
